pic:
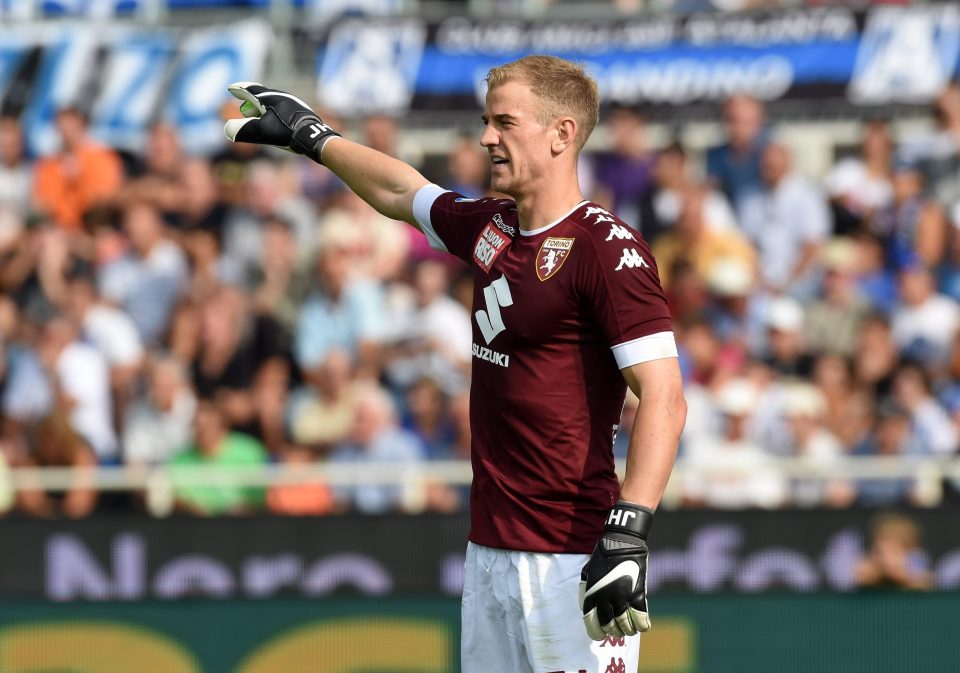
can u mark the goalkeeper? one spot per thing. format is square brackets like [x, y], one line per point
[568, 312]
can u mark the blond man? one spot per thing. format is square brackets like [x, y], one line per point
[568, 311]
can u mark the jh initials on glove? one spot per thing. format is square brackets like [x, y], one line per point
[613, 584]
[277, 118]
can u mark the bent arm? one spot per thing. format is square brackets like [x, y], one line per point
[387, 184]
[656, 429]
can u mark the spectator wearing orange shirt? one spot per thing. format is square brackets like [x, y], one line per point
[82, 174]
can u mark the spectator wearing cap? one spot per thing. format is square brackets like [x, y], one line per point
[147, 281]
[734, 166]
[912, 226]
[788, 221]
[623, 173]
[786, 352]
[729, 470]
[702, 245]
[925, 323]
[832, 322]
[860, 186]
[807, 438]
[81, 174]
[732, 311]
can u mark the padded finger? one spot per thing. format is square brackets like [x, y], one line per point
[640, 619]
[626, 624]
[238, 131]
[248, 91]
[611, 629]
[592, 624]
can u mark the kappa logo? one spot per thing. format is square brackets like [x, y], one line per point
[632, 260]
[553, 253]
[490, 243]
[619, 232]
[503, 226]
[602, 214]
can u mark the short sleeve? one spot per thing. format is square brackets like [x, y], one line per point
[452, 222]
[620, 286]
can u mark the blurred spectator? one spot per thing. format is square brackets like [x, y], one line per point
[231, 165]
[735, 165]
[623, 174]
[937, 155]
[891, 437]
[281, 281]
[235, 350]
[310, 497]
[80, 175]
[895, 559]
[376, 438]
[426, 417]
[787, 219]
[80, 380]
[833, 321]
[787, 353]
[469, 169]
[54, 443]
[687, 295]
[704, 247]
[875, 282]
[731, 471]
[320, 414]
[860, 186]
[215, 446]
[912, 225]
[807, 439]
[16, 177]
[930, 425]
[672, 179]
[379, 245]
[924, 323]
[157, 178]
[159, 424]
[833, 377]
[149, 279]
[342, 312]
[429, 333]
[876, 357]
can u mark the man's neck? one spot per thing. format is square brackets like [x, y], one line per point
[547, 203]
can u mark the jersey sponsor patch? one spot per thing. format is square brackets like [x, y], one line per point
[490, 243]
[553, 253]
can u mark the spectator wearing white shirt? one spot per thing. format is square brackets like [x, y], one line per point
[160, 423]
[788, 221]
[925, 322]
[930, 425]
[861, 185]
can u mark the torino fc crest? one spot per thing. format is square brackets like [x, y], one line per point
[553, 253]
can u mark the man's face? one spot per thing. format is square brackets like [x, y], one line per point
[518, 144]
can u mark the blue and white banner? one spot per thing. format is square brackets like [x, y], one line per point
[127, 78]
[891, 54]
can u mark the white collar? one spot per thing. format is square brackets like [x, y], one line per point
[534, 232]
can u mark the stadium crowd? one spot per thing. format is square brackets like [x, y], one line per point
[246, 308]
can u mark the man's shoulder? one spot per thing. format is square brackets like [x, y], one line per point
[600, 224]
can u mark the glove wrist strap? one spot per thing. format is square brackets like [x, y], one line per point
[310, 137]
[629, 518]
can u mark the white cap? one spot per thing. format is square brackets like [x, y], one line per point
[785, 314]
[730, 277]
[804, 400]
[737, 397]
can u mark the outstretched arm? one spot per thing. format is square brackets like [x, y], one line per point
[281, 119]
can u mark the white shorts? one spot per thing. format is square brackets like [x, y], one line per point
[521, 615]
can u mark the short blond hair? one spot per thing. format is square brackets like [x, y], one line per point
[563, 87]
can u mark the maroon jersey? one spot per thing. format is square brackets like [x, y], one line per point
[557, 312]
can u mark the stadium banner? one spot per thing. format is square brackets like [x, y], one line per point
[134, 558]
[724, 633]
[126, 78]
[887, 55]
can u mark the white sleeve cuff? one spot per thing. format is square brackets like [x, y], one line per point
[422, 204]
[651, 347]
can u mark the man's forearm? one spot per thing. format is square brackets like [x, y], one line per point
[653, 446]
[387, 184]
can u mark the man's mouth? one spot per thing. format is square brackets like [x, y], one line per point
[499, 161]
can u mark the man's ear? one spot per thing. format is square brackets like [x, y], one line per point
[566, 134]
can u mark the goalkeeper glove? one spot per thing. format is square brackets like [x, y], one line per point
[277, 118]
[613, 583]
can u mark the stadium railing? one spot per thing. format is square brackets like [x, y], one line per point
[159, 483]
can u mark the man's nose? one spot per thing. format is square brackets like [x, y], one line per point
[489, 137]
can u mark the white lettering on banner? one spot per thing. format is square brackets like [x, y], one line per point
[619, 232]
[489, 320]
[484, 353]
[632, 260]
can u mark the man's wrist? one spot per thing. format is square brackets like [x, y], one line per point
[309, 137]
[627, 517]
